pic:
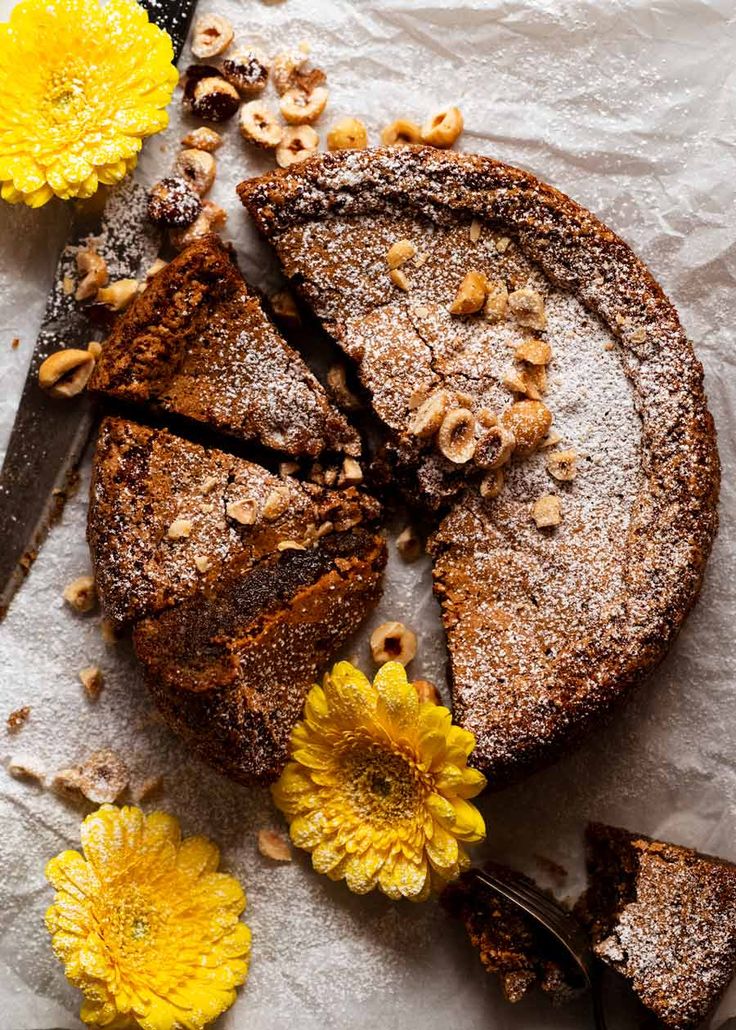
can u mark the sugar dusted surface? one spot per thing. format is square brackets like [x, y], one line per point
[628, 110]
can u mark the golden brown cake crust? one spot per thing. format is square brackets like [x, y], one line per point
[197, 343]
[527, 717]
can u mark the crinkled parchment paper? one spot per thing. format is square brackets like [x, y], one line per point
[629, 106]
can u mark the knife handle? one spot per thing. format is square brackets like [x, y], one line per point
[174, 17]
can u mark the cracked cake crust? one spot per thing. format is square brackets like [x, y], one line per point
[546, 629]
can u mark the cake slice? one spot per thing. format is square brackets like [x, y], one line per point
[239, 585]
[664, 917]
[509, 943]
[552, 413]
[197, 343]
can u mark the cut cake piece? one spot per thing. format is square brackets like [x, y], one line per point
[240, 585]
[547, 627]
[197, 343]
[510, 943]
[664, 917]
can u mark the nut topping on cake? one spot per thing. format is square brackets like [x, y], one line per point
[496, 306]
[244, 511]
[399, 253]
[527, 307]
[399, 278]
[534, 351]
[494, 448]
[471, 294]
[562, 465]
[179, 529]
[430, 414]
[547, 511]
[529, 421]
[456, 436]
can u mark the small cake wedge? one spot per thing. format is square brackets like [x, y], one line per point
[198, 344]
[664, 917]
[239, 585]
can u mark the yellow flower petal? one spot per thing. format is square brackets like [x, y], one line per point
[146, 926]
[378, 783]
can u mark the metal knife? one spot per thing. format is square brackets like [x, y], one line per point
[49, 435]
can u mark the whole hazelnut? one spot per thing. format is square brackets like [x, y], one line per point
[208, 95]
[247, 69]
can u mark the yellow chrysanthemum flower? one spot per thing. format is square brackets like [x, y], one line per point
[378, 785]
[81, 85]
[145, 925]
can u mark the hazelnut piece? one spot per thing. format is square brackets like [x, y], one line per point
[244, 511]
[427, 692]
[66, 372]
[547, 511]
[347, 134]
[259, 125]
[212, 35]
[197, 168]
[492, 484]
[494, 448]
[535, 352]
[247, 69]
[274, 845]
[179, 529]
[284, 308]
[337, 382]
[172, 204]
[562, 465]
[530, 422]
[103, 777]
[211, 98]
[409, 544]
[393, 642]
[456, 436]
[285, 66]
[92, 681]
[471, 294]
[118, 294]
[400, 133]
[399, 253]
[94, 270]
[497, 301]
[527, 307]
[430, 414]
[297, 144]
[300, 107]
[80, 594]
[203, 138]
[443, 128]
[276, 503]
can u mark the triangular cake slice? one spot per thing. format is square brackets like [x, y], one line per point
[564, 574]
[664, 917]
[198, 344]
[239, 584]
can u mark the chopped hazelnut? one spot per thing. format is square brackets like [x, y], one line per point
[475, 230]
[203, 138]
[492, 484]
[400, 133]
[471, 294]
[497, 301]
[197, 168]
[179, 529]
[80, 594]
[288, 468]
[182, 238]
[430, 414]
[347, 134]
[94, 348]
[216, 216]
[23, 766]
[534, 351]
[208, 485]
[393, 642]
[276, 503]
[284, 308]
[290, 545]
[247, 69]
[399, 253]
[302, 107]
[486, 418]
[336, 381]
[399, 278]
[529, 421]
[67, 782]
[259, 125]
[456, 436]
[18, 718]
[94, 270]
[92, 680]
[65, 373]
[494, 448]
[547, 511]
[244, 511]
[409, 544]
[351, 473]
[552, 438]
[527, 307]
[297, 144]
[502, 245]
[530, 381]
[103, 776]
[274, 845]
[201, 562]
[639, 335]
[285, 67]
[443, 128]
[562, 465]
[118, 294]
[427, 692]
[212, 35]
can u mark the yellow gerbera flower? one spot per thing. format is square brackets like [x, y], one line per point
[145, 925]
[379, 784]
[81, 85]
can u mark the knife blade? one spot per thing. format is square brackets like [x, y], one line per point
[49, 435]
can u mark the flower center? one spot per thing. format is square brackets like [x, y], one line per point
[383, 785]
[66, 96]
[129, 926]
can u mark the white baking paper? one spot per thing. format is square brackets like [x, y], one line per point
[627, 105]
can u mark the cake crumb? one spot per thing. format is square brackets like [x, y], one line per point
[92, 680]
